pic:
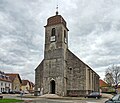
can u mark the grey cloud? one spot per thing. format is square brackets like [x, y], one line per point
[93, 24]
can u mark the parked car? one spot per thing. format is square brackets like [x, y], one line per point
[17, 92]
[12, 92]
[1, 97]
[4, 92]
[114, 99]
[96, 95]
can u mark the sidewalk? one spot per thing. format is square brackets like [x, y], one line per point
[104, 95]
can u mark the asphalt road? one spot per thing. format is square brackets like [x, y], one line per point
[44, 100]
[102, 100]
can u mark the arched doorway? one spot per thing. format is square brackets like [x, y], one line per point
[52, 87]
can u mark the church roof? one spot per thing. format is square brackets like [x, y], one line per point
[82, 62]
[57, 19]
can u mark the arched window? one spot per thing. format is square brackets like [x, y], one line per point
[65, 37]
[53, 32]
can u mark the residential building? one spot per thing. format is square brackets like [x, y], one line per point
[104, 86]
[5, 83]
[27, 86]
[16, 81]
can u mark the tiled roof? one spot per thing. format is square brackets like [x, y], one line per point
[13, 76]
[24, 82]
[4, 77]
[6, 80]
[32, 84]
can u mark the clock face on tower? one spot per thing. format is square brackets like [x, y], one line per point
[52, 39]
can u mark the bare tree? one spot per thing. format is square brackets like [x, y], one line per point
[112, 75]
[109, 78]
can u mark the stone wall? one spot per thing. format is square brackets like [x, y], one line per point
[92, 80]
[76, 80]
[81, 79]
[53, 70]
[39, 78]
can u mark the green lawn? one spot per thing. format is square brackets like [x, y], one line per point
[10, 100]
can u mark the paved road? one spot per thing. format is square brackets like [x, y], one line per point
[16, 96]
[69, 101]
[43, 100]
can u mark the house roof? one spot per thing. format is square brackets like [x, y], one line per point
[12, 76]
[24, 82]
[32, 84]
[103, 83]
[6, 80]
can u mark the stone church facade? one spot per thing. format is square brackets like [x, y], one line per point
[61, 72]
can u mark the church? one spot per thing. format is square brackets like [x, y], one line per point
[61, 72]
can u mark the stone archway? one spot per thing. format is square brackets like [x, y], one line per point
[52, 87]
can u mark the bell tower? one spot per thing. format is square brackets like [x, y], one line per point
[56, 45]
[56, 33]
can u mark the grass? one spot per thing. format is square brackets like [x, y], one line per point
[10, 100]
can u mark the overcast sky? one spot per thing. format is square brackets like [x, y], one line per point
[94, 33]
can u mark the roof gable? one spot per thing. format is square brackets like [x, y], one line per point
[24, 82]
[103, 83]
[13, 76]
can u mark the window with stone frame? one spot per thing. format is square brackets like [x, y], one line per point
[53, 36]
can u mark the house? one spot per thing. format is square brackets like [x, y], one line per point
[27, 86]
[104, 86]
[103, 83]
[5, 83]
[16, 81]
[61, 72]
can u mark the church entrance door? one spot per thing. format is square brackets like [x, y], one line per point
[52, 87]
